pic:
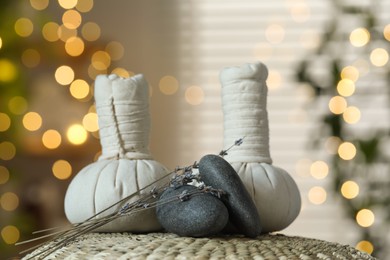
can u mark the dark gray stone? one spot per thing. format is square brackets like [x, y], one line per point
[218, 173]
[199, 216]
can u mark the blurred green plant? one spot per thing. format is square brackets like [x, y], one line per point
[369, 167]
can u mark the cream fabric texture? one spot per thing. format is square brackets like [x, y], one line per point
[244, 103]
[125, 165]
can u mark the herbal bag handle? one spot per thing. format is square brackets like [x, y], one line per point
[125, 167]
[244, 101]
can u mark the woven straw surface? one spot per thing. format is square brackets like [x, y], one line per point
[170, 246]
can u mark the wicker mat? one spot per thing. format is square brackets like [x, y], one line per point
[170, 246]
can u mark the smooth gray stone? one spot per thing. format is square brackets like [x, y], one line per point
[200, 216]
[218, 173]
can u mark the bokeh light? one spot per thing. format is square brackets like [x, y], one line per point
[350, 189]
[121, 72]
[9, 201]
[71, 19]
[351, 115]
[274, 80]
[350, 72]
[76, 134]
[90, 122]
[101, 60]
[68, 4]
[64, 75]
[275, 33]
[65, 33]
[51, 139]
[84, 5]
[115, 50]
[359, 37]
[8, 70]
[332, 144]
[74, 46]
[90, 31]
[317, 195]
[337, 105]
[50, 31]
[379, 57]
[365, 218]
[194, 95]
[79, 89]
[24, 27]
[39, 4]
[10, 234]
[365, 246]
[32, 121]
[346, 87]
[319, 169]
[168, 85]
[4, 175]
[1, 42]
[5, 122]
[386, 32]
[17, 105]
[7, 151]
[31, 58]
[62, 169]
[300, 13]
[347, 151]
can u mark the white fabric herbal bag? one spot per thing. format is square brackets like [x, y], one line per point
[244, 102]
[125, 166]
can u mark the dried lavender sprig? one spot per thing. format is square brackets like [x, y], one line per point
[238, 142]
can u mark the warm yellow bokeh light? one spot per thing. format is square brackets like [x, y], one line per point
[4, 174]
[346, 87]
[9, 201]
[8, 70]
[194, 95]
[51, 139]
[365, 218]
[386, 32]
[31, 58]
[352, 115]
[74, 46]
[7, 151]
[32, 121]
[319, 169]
[101, 60]
[79, 89]
[90, 31]
[90, 122]
[5, 122]
[300, 13]
[10, 234]
[17, 105]
[76, 134]
[50, 31]
[168, 85]
[317, 195]
[379, 57]
[350, 189]
[350, 72]
[39, 4]
[115, 50]
[64, 75]
[71, 19]
[337, 105]
[121, 72]
[365, 246]
[1, 42]
[347, 151]
[65, 33]
[24, 27]
[68, 4]
[62, 169]
[274, 80]
[275, 33]
[359, 37]
[84, 5]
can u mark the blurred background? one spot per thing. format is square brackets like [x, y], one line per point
[328, 102]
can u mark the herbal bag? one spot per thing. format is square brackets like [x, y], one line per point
[125, 165]
[244, 98]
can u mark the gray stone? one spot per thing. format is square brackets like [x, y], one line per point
[218, 173]
[199, 215]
